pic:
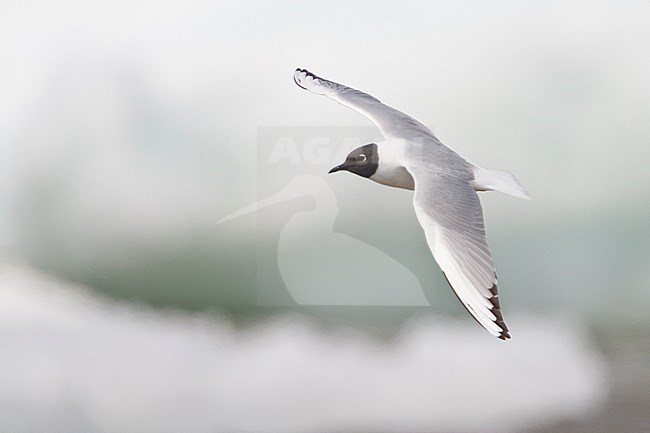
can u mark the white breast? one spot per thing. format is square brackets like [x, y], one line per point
[390, 170]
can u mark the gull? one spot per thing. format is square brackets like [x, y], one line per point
[446, 202]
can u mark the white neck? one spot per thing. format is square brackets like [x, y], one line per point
[390, 171]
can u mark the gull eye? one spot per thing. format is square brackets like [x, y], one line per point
[361, 158]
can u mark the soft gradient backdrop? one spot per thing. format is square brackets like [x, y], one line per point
[128, 129]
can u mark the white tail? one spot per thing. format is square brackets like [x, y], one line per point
[498, 180]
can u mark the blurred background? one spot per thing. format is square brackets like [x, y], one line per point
[129, 129]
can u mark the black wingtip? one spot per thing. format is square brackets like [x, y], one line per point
[496, 310]
[298, 84]
[296, 81]
[306, 72]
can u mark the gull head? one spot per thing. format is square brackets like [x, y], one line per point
[362, 161]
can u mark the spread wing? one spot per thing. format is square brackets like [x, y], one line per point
[451, 215]
[391, 122]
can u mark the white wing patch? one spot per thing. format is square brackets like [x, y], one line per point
[450, 213]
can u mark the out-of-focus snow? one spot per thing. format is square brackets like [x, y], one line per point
[72, 361]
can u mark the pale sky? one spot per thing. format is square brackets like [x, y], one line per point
[128, 128]
[137, 121]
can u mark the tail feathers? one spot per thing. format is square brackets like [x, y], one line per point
[498, 180]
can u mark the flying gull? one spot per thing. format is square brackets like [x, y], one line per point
[445, 200]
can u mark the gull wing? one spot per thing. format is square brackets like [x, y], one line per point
[451, 215]
[391, 122]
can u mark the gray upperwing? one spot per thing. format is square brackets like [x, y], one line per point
[391, 122]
